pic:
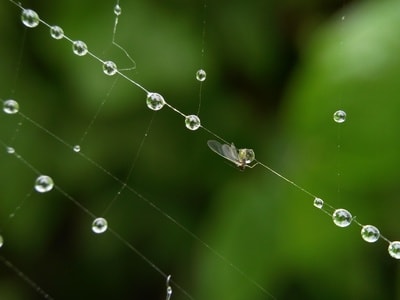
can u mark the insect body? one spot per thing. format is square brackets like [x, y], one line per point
[240, 157]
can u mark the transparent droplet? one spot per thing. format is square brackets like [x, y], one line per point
[10, 150]
[169, 293]
[155, 101]
[318, 202]
[201, 75]
[44, 184]
[1, 241]
[56, 32]
[342, 217]
[10, 106]
[99, 225]
[77, 148]
[370, 233]
[246, 155]
[30, 18]
[109, 68]
[339, 116]
[117, 10]
[192, 122]
[394, 249]
[79, 48]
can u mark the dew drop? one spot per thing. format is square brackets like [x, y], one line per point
[79, 48]
[77, 148]
[201, 75]
[339, 116]
[44, 184]
[370, 233]
[394, 249]
[318, 202]
[99, 225]
[10, 150]
[10, 106]
[109, 68]
[1, 241]
[30, 18]
[155, 101]
[192, 122]
[117, 10]
[56, 32]
[342, 217]
[246, 155]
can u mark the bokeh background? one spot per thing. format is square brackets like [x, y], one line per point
[276, 72]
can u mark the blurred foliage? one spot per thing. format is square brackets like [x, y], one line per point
[276, 72]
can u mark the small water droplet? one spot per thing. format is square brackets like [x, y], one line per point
[30, 18]
[1, 241]
[117, 10]
[201, 75]
[339, 116]
[370, 233]
[99, 225]
[79, 48]
[10, 106]
[56, 32]
[155, 101]
[109, 68]
[342, 217]
[318, 202]
[10, 150]
[44, 184]
[192, 122]
[394, 249]
[77, 148]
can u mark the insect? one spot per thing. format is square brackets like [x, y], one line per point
[240, 157]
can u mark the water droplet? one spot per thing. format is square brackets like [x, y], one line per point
[30, 18]
[394, 249]
[79, 48]
[370, 233]
[201, 75]
[339, 116]
[109, 68]
[77, 148]
[10, 150]
[44, 184]
[155, 101]
[342, 217]
[1, 241]
[117, 10]
[318, 202]
[99, 225]
[56, 32]
[246, 155]
[10, 106]
[192, 122]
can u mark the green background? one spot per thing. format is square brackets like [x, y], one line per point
[276, 72]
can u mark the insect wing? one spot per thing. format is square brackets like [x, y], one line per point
[227, 151]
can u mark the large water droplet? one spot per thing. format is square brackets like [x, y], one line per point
[201, 75]
[77, 148]
[99, 225]
[370, 233]
[10, 106]
[44, 184]
[117, 10]
[155, 101]
[318, 203]
[56, 32]
[79, 48]
[246, 155]
[30, 18]
[339, 116]
[109, 68]
[192, 122]
[394, 249]
[342, 217]
[10, 150]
